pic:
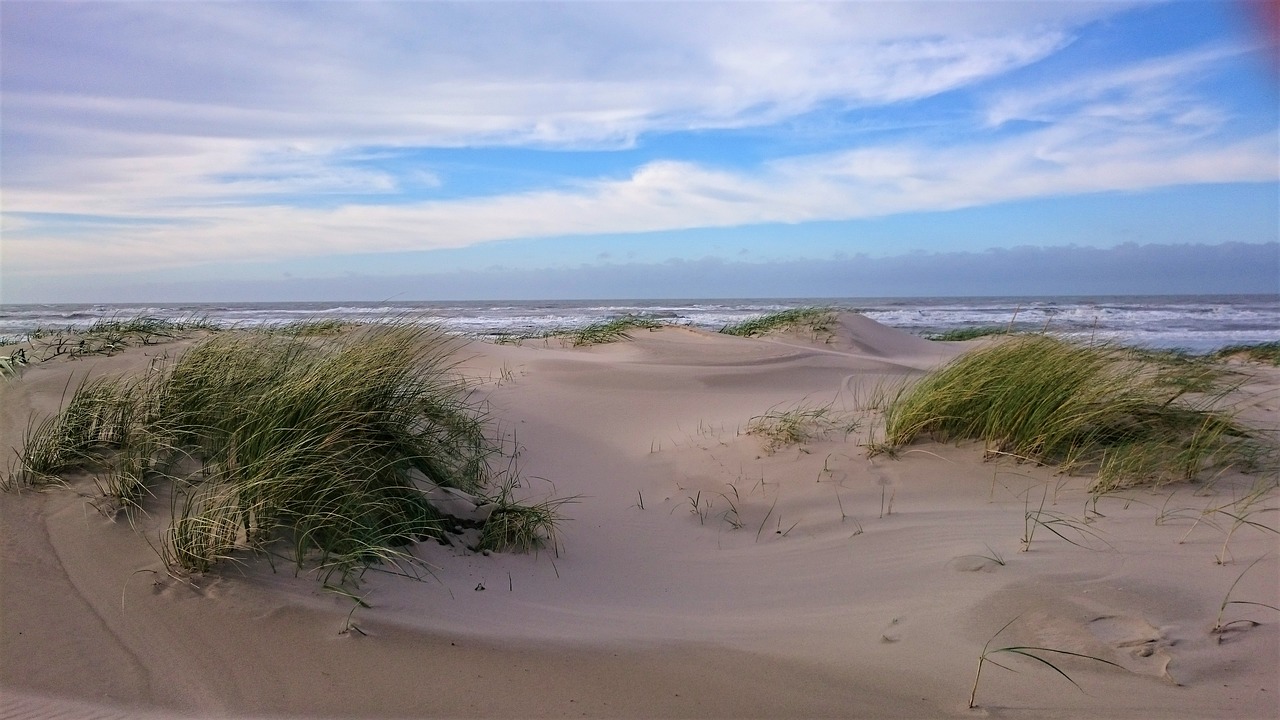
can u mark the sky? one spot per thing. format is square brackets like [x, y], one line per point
[224, 151]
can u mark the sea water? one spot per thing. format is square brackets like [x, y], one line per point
[1195, 323]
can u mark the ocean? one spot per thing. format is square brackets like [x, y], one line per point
[1195, 323]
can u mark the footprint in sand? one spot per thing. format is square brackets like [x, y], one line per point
[1144, 647]
[893, 633]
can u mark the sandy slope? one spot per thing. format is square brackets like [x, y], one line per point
[699, 574]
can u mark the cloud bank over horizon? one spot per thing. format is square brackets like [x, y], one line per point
[1127, 269]
[166, 139]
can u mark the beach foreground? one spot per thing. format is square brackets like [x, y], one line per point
[703, 569]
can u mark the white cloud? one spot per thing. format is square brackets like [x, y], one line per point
[441, 74]
[193, 126]
[1158, 89]
[670, 195]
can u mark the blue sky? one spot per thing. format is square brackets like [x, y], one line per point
[244, 151]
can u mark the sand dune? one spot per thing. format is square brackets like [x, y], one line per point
[703, 572]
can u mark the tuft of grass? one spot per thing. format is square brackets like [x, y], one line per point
[324, 448]
[798, 425]
[1090, 408]
[1241, 512]
[137, 325]
[103, 416]
[1267, 352]
[991, 555]
[110, 336]
[1220, 628]
[816, 320]
[313, 328]
[607, 331]
[967, 333]
[518, 526]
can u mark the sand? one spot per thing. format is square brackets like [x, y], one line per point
[700, 572]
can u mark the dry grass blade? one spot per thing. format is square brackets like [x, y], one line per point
[967, 333]
[1218, 626]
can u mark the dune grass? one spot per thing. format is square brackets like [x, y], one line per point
[967, 333]
[313, 328]
[817, 320]
[1268, 353]
[143, 325]
[612, 330]
[323, 449]
[110, 336]
[779, 428]
[520, 526]
[1088, 408]
[617, 329]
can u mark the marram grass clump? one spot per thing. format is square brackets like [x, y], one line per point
[110, 336]
[1086, 408]
[1267, 352]
[324, 449]
[816, 320]
[967, 333]
[617, 329]
[613, 330]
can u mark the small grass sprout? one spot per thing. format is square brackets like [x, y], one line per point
[1026, 651]
[357, 602]
[991, 555]
[1220, 628]
[731, 514]
[780, 428]
[1057, 523]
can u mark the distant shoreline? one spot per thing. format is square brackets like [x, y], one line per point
[1196, 323]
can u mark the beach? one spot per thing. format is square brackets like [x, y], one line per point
[702, 566]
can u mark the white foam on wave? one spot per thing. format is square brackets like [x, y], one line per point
[1198, 324]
